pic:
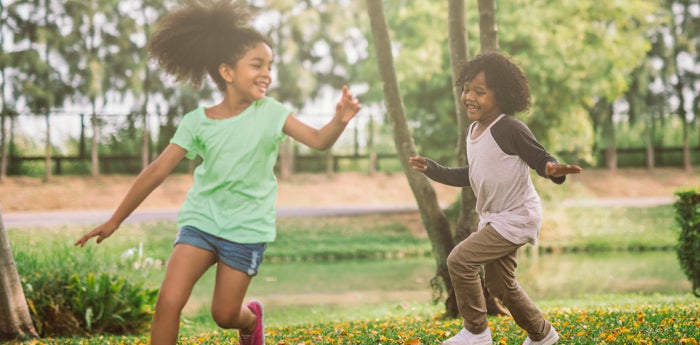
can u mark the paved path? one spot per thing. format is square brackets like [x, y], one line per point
[77, 217]
[63, 218]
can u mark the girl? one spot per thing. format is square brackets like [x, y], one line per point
[500, 151]
[228, 215]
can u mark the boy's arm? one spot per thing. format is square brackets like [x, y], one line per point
[515, 138]
[457, 177]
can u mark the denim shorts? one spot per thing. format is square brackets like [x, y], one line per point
[244, 257]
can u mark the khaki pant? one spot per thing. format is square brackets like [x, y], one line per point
[498, 256]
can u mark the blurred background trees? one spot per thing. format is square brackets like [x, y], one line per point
[605, 76]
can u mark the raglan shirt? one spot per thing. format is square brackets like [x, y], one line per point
[234, 191]
[498, 171]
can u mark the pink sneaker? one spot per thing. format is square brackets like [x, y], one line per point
[258, 336]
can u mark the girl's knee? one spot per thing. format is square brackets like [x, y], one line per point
[226, 318]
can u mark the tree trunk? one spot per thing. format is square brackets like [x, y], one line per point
[15, 320]
[468, 220]
[81, 148]
[488, 31]
[650, 149]
[47, 149]
[372, 150]
[434, 219]
[457, 38]
[609, 137]
[146, 142]
[687, 165]
[93, 146]
[3, 144]
[286, 159]
[3, 111]
[329, 162]
[3, 126]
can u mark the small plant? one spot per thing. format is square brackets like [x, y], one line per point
[112, 305]
[66, 304]
[688, 217]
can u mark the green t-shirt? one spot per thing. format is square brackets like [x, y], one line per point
[235, 189]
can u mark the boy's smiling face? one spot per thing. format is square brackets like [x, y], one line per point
[480, 100]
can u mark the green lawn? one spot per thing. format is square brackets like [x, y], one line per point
[603, 320]
[138, 251]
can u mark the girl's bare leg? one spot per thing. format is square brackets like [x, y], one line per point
[227, 305]
[186, 265]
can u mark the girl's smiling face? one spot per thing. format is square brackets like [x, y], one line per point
[480, 100]
[252, 77]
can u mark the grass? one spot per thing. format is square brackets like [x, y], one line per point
[610, 228]
[615, 319]
[138, 251]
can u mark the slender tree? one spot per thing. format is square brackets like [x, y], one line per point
[684, 28]
[42, 85]
[434, 219]
[488, 30]
[15, 320]
[5, 28]
[468, 220]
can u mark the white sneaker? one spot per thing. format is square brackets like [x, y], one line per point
[551, 338]
[465, 337]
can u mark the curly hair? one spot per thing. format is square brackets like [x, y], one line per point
[200, 36]
[504, 77]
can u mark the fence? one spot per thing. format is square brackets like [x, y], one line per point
[315, 163]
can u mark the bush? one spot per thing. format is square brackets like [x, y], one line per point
[66, 304]
[688, 217]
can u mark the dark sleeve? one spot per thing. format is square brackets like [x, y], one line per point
[515, 138]
[457, 177]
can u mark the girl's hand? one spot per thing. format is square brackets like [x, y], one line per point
[559, 170]
[347, 107]
[103, 231]
[418, 163]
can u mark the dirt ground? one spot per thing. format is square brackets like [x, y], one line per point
[76, 193]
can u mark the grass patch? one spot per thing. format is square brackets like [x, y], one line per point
[633, 319]
[610, 228]
[138, 252]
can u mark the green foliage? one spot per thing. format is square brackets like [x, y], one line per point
[111, 304]
[66, 298]
[62, 303]
[688, 217]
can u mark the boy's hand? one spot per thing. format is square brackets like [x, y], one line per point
[418, 163]
[559, 170]
[347, 107]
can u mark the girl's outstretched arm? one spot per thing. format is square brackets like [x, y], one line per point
[323, 138]
[150, 178]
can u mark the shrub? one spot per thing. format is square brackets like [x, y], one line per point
[688, 217]
[66, 304]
